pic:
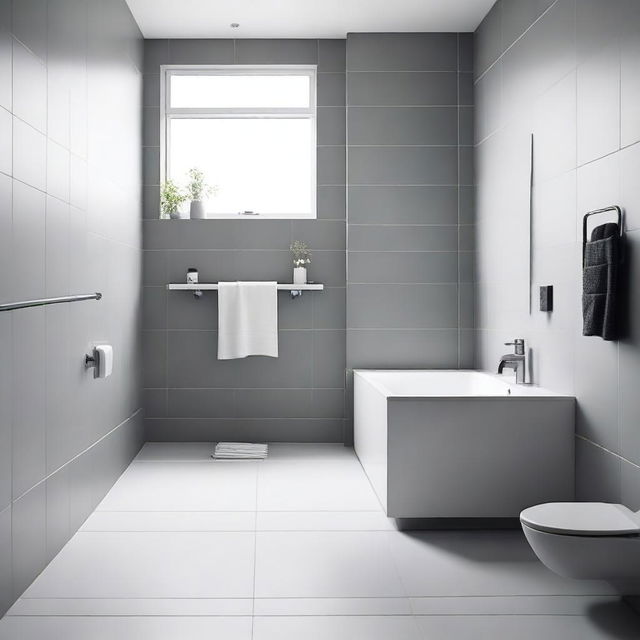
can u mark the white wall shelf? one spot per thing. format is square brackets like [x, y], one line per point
[295, 289]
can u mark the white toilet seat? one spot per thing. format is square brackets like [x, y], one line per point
[582, 519]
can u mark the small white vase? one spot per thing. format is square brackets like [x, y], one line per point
[196, 212]
[174, 215]
[300, 275]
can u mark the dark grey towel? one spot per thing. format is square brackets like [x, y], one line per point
[600, 281]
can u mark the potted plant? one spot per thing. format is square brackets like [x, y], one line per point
[301, 255]
[171, 197]
[198, 190]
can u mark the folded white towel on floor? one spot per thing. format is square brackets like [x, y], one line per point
[247, 319]
[240, 451]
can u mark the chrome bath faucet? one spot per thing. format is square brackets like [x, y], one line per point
[515, 361]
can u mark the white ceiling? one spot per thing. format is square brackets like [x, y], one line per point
[302, 18]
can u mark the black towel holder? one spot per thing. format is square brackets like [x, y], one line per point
[596, 212]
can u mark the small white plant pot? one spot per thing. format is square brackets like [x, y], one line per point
[174, 215]
[300, 275]
[196, 211]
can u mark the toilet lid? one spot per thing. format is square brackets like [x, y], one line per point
[582, 519]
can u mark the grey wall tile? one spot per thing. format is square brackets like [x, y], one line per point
[466, 93]
[28, 439]
[5, 69]
[246, 430]
[403, 205]
[57, 512]
[401, 89]
[465, 52]
[403, 125]
[6, 582]
[403, 165]
[402, 52]
[329, 357]
[156, 53]
[598, 24]
[29, 25]
[598, 474]
[331, 203]
[155, 403]
[28, 532]
[630, 485]
[250, 51]
[409, 349]
[488, 39]
[372, 237]
[151, 165]
[154, 358]
[331, 126]
[542, 57]
[599, 105]
[28, 241]
[330, 309]
[630, 75]
[402, 306]
[151, 129]
[274, 403]
[151, 90]
[29, 155]
[331, 89]
[403, 267]
[192, 363]
[6, 411]
[6, 146]
[328, 235]
[518, 16]
[58, 166]
[29, 87]
[331, 166]
[331, 55]
[194, 51]
[203, 403]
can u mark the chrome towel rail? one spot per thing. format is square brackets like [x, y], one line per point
[45, 301]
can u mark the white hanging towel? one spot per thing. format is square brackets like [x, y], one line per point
[247, 319]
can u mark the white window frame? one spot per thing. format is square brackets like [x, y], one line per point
[167, 113]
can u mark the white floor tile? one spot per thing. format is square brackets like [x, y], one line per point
[150, 565]
[336, 628]
[186, 486]
[325, 565]
[176, 452]
[323, 521]
[332, 607]
[499, 563]
[616, 623]
[170, 521]
[130, 628]
[310, 452]
[512, 605]
[132, 607]
[314, 485]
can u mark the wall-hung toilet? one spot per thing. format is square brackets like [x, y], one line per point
[585, 540]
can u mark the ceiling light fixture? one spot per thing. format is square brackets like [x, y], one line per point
[234, 25]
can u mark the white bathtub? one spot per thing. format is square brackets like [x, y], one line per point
[462, 444]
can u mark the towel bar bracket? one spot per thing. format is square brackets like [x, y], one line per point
[612, 209]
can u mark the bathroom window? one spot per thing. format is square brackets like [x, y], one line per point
[250, 130]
